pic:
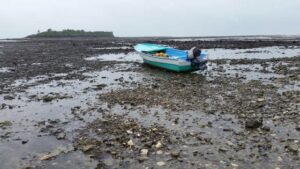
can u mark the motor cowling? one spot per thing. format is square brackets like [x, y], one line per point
[194, 53]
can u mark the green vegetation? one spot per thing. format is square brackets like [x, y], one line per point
[71, 33]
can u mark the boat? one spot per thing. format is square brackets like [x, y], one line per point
[172, 59]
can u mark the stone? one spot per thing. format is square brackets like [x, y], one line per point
[61, 136]
[144, 152]
[260, 99]
[142, 159]
[24, 141]
[130, 143]
[234, 165]
[298, 127]
[266, 128]
[158, 145]
[229, 143]
[222, 149]
[253, 123]
[175, 153]
[87, 148]
[292, 148]
[161, 163]
[48, 98]
[5, 124]
[8, 97]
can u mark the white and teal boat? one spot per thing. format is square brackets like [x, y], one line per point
[172, 59]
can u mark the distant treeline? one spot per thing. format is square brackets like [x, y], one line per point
[71, 33]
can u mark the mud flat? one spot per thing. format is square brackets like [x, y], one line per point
[92, 103]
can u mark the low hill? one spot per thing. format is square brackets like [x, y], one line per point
[71, 33]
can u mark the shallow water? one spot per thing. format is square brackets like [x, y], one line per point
[112, 48]
[255, 53]
[252, 38]
[5, 69]
[213, 54]
[12, 40]
[130, 57]
[27, 113]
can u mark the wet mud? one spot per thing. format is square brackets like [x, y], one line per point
[92, 103]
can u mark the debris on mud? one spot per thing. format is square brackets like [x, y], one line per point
[56, 152]
[109, 136]
[54, 96]
[5, 124]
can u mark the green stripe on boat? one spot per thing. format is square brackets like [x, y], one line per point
[171, 67]
[171, 59]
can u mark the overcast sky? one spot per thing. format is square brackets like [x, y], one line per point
[19, 18]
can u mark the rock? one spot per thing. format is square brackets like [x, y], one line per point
[159, 152]
[158, 145]
[53, 121]
[47, 98]
[161, 163]
[266, 128]
[260, 99]
[130, 143]
[56, 152]
[5, 124]
[253, 123]
[46, 157]
[61, 136]
[229, 143]
[100, 86]
[234, 165]
[292, 148]
[24, 141]
[32, 96]
[8, 97]
[3, 105]
[144, 152]
[223, 149]
[209, 124]
[129, 131]
[175, 153]
[87, 148]
[143, 158]
[298, 127]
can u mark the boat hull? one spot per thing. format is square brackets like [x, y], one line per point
[172, 65]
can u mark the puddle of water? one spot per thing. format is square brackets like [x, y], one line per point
[6, 69]
[28, 112]
[244, 72]
[289, 87]
[256, 53]
[36, 64]
[113, 48]
[12, 40]
[24, 82]
[130, 57]
[252, 38]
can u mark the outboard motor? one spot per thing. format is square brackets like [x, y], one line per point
[193, 55]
